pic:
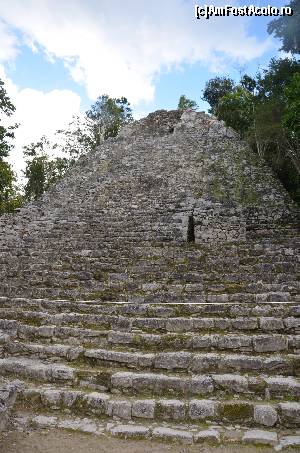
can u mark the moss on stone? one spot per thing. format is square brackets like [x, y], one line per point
[237, 412]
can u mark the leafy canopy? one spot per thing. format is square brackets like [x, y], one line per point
[186, 103]
[108, 115]
[215, 89]
[41, 170]
[287, 29]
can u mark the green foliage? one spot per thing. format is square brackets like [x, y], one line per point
[186, 103]
[78, 139]
[248, 83]
[102, 121]
[287, 29]
[236, 109]
[10, 199]
[291, 116]
[272, 81]
[6, 133]
[42, 171]
[108, 115]
[266, 111]
[215, 89]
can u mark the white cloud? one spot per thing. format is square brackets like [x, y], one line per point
[38, 113]
[8, 48]
[119, 47]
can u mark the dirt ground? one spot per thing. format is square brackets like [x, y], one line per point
[66, 442]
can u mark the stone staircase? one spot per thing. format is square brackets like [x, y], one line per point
[114, 324]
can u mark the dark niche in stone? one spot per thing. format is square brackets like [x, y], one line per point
[191, 229]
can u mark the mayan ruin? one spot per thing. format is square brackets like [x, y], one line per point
[153, 293]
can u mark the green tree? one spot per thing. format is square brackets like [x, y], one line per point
[78, 138]
[41, 170]
[236, 109]
[272, 81]
[186, 103]
[291, 116]
[108, 115]
[248, 83]
[6, 109]
[10, 198]
[287, 29]
[215, 89]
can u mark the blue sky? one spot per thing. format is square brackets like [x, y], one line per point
[57, 57]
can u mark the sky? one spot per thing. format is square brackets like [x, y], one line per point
[57, 57]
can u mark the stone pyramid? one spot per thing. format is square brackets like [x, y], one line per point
[154, 292]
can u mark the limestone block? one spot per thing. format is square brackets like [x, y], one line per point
[96, 402]
[271, 324]
[208, 435]
[238, 342]
[173, 360]
[128, 431]
[289, 413]
[143, 408]
[289, 441]
[200, 385]
[203, 323]
[170, 409]
[231, 382]
[179, 325]
[119, 409]
[85, 425]
[270, 343]
[265, 414]
[122, 380]
[202, 409]
[245, 323]
[51, 398]
[172, 435]
[260, 437]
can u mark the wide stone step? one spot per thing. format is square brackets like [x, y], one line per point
[216, 385]
[157, 310]
[77, 289]
[159, 324]
[22, 367]
[132, 383]
[194, 411]
[288, 364]
[251, 343]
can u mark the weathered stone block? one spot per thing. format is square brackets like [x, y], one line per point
[202, 409]
[289, 413]
[129, 431]
[172, 435]
[143, 408]
[271, 324]
[119, 409]
[260, 437]
[170, 410]
[173, 360]
[270, 343]
[210, 435]
[265, 414]
[231, 382]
